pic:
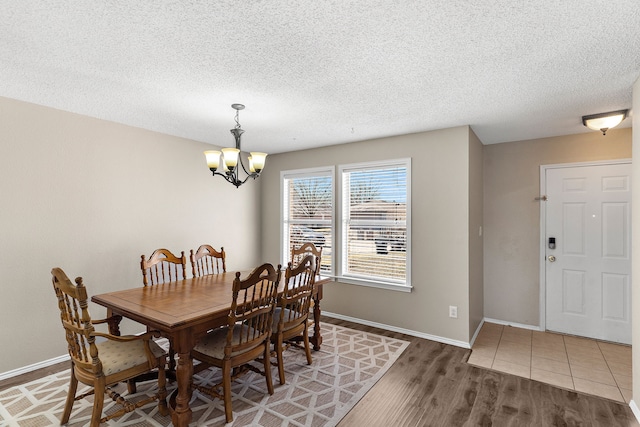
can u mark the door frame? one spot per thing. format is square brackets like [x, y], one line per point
[543, 225]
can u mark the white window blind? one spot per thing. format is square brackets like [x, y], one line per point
[308, 213]
[375, 225]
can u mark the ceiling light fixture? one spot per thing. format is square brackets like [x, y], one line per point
[232, 156]
[604, 121]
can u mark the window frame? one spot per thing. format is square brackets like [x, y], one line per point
[341, 219]
[285, 248]
[338, 242]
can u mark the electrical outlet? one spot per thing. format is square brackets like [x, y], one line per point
[453, 311]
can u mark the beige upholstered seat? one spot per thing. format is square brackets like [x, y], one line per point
[206, 260]
[245, 338]
[100, 365]
[290, 318]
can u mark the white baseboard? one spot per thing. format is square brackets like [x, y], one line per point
[400, 330]
[634, 409]
[31, 368]
[514, 324]
[475, 334]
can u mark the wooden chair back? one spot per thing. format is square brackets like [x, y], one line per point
[295, 301]
[206, 260]
[162, 267]
[298, 254]
[251, 315]
[72, 302]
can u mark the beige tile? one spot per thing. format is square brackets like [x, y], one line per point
[483, 362]
[547, 377]
[516, 337]
[620, 368]
[627, 395]
[490, 332]
[517, 331]
[623, 381]
[547, 336]
[592, 352]
[514, 346]
[603, 377]
[580, 342]
[588, 362]
[549, 346]
[488, 326]
[610, 348]
[598, 389]
[482, 344]
[512, 368]
[618, 358]
[488, 352]
[484, 341]
[555, 366]
[520, 358]
[559, 355]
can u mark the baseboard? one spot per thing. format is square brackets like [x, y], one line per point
[34, 367]
[475, 334]
[634, 409]
[400, 330]
[514, 324]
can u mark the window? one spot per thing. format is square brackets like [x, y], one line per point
[366, 239]
[375, 223]
[308, 212]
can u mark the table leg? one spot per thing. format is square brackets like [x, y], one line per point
[316, 339]
[114, 322]
[181, 415]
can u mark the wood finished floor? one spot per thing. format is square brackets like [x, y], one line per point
[432, 385]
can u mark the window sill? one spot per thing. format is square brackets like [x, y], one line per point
[373, 284]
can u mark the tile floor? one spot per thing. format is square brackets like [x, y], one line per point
[594, 367]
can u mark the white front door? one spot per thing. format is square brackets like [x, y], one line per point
[588, 273]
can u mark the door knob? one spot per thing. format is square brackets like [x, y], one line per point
[551, 258]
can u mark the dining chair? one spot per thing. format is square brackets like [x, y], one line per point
[291, 315]
[308, 248]
[162, 267]
[245, 338]
[101, 364]
[206, 260]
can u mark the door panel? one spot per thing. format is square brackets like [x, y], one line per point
[588, 276]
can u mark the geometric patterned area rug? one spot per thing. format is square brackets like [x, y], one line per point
[321, 394]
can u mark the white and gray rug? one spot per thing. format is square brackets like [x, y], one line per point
[321, 394]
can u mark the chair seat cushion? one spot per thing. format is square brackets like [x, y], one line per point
[118, 356]
[213, 344]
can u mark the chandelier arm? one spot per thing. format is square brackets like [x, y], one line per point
[245, 169]
[230, 178]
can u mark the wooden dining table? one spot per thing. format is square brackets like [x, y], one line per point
[184, 311]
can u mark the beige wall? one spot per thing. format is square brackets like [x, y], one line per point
[91, 196]
[440, 230]
[512, 216]
[476, 253]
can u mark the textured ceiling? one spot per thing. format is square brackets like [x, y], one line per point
[324, 72]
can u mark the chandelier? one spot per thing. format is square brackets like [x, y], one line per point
[229, 158]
